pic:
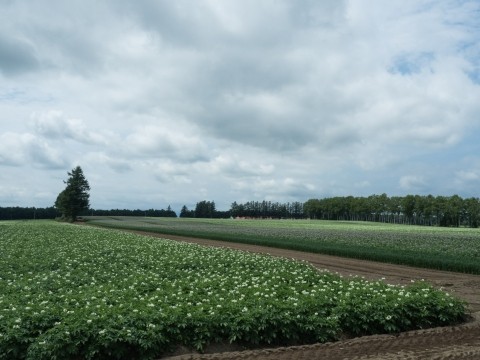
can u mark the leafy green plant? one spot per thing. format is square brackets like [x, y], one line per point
[74, 292]
[451, 249]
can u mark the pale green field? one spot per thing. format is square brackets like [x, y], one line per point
[454, 249]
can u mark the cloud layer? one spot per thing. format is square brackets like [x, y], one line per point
[175, 102]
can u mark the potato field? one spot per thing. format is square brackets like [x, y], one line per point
[70, 291]
[451, 249]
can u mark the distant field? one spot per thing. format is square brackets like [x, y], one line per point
[79, 292]
[452, 249]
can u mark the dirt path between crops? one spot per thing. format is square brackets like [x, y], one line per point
[457, 342]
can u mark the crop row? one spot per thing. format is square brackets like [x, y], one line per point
[438, 248]
[78, 292]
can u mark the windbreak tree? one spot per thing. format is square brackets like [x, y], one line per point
[185, 213]
[205, 209]
[75, 197]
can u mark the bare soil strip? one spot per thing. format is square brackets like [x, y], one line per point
[456, 342]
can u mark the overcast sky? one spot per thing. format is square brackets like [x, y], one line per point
[174, 102]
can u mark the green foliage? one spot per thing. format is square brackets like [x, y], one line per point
[185, 213]
[27, 213]
[446, 211]
[205, 209]
[127, 212]
[449, 249]
[267, 209]
[75, 197]
[70, 292]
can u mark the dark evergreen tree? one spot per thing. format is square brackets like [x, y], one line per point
[74, 199]
[205, 209]
[185, 213]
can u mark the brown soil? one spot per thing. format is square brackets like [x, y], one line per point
[456, 342]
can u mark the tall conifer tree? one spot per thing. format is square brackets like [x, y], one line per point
[75, 197]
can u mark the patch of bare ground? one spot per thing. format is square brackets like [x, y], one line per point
[455, 342]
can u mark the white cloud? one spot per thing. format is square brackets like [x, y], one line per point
[238, 163]
[53, 125]
[468, 175]
[271, 189]
[241, 99]
[23, 149]
[165, 142]
[169, 172]
[468, 180]
[119, 165]
[412, 182]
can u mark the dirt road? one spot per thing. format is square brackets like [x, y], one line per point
[458, 342]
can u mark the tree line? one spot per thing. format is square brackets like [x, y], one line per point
[250, 209]
[204, 209]
[125, 212]
[268, 209]
[429, 210]
[32, 213]
[26, 213]
[410, 209]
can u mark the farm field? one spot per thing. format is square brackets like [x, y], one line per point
[457, 342]
[83, 292]
[451, 249]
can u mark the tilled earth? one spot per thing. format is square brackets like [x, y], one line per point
[456, 342]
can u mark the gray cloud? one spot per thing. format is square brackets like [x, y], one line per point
[21, 149]
[165, 142]
[101, 159]
[55, 126]
[311, 13]
[17, 56]
[412, 183]
[241, 99]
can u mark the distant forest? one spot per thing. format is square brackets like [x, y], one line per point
[24, 213]
[411, 209]
[447, 211]
[21, 213]
[116, 212]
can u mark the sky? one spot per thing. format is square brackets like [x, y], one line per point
[174, 102]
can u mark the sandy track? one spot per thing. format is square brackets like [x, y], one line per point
[457, 342]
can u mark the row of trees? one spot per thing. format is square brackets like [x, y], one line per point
[125, 212]
[32, 213]
[268, 209]
[411, 209]
[24, 213]
[250, 209]
[204, 209]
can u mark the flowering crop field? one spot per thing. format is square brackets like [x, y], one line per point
[452, 249]
[70, 292]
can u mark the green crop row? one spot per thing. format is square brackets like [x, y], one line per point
[430, 247]
[70, 292]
